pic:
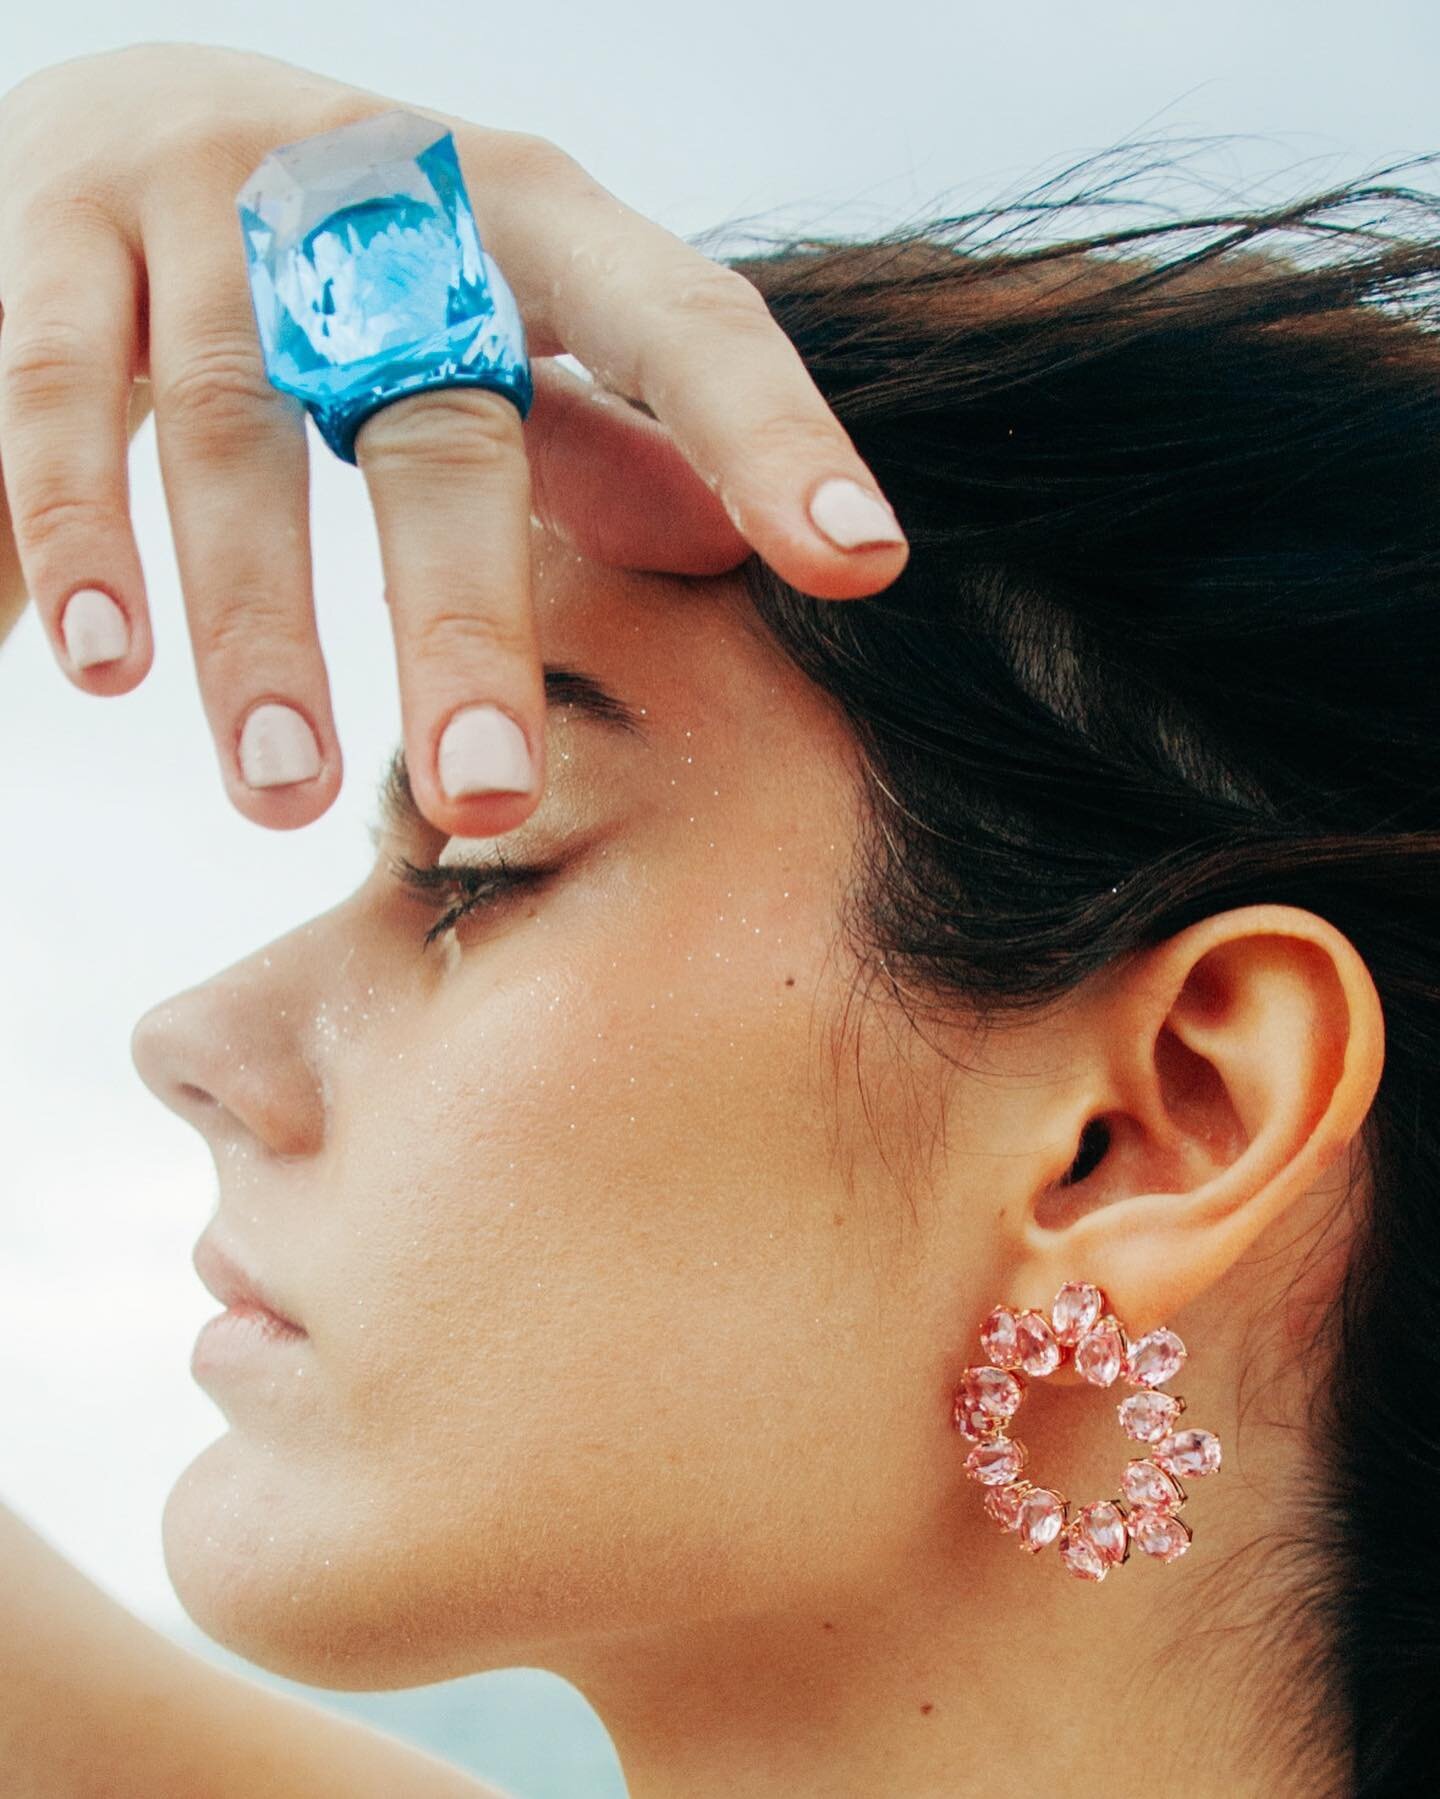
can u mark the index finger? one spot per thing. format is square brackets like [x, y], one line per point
[654, 319]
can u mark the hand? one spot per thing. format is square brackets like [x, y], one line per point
[120, 259]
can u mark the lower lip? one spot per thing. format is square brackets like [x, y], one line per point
[238, 1338]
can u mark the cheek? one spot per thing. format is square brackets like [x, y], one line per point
[598, 1265]
[574, 1156]
[592, 1257]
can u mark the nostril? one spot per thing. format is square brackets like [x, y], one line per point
[214, 1057]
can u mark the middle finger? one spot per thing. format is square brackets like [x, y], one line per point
[234, 461]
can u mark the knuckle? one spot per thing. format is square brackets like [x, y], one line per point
[449, 635]
[791, 437]
[90, 198]
[714, 295]
[93, 201]
[212, 150]
[453, 428]
[44, 362]
[196, 144]
[689, 310]
[518, 156]
[50, 517]
[218, 397]
[332, 107]
[245, 623]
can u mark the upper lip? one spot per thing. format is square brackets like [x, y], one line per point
[232, 1285]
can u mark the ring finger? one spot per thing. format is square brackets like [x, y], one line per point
[449, 483]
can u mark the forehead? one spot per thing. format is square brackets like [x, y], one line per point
[741, 768]
[682, 672]
[649, 637]
[687, 653]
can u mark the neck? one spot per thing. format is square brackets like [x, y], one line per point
[973, 1667]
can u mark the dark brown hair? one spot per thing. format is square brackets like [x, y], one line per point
[1168, 643]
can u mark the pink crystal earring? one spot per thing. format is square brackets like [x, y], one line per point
[1083, 1326]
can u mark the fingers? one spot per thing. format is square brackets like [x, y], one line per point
[450, 486]
[653, 318]
[612, 483]
[67, 351]
[234, 462]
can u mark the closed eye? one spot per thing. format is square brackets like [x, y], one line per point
[460, 887]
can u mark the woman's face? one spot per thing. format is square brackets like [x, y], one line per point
[589, 1209]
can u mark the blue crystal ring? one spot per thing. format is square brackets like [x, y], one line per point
[368, 278]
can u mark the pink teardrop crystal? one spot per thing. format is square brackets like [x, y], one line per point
[1040, 1352]
[1100, 1353]
[1191, 1452]
[1081, 1556]
[997, 1462]
[1003, 1503]
[992, 1390]
[1148, 1416]
[1077, 1307]
[1042, 1513]
[997, 1338]
[1159, 1534]
[1103, 1524]
[978, 1426]
[1154, 1358]
[1147, 1486]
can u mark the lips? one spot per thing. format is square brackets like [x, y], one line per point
[236, 1289]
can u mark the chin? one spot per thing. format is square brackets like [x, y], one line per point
[303, 1583]
[254, 1579]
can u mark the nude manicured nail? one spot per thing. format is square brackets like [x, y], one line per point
[850, 515]
[483, 750]
[93, 628]
[277, 747]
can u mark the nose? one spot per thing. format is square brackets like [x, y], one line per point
[229, 1058]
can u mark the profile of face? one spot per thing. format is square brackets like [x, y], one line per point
[640, 1235]
[591, 1209]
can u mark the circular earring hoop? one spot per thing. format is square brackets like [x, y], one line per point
[1083, 1328]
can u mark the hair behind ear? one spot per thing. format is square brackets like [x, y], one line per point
[1165, 646]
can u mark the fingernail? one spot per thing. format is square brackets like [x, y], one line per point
[277, 747]
[850, 515]
[93, 628]
[483, 750]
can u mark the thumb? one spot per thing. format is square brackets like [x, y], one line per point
[609, 480]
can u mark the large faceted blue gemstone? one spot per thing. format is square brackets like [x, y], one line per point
[368, 276]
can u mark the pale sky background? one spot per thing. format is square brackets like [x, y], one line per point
[127, 875]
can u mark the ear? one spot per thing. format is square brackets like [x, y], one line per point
[1214, 1079]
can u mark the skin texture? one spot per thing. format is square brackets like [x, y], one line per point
[640, 1243]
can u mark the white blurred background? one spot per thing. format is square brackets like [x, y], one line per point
[124, 873]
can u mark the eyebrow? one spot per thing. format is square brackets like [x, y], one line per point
[587, 696]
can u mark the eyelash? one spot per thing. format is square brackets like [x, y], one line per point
[470, 889]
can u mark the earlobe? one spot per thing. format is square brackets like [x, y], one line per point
[1233, 1064]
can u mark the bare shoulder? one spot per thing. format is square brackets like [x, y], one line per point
[96, 1704]
[263, 1744]
[196, 1731]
